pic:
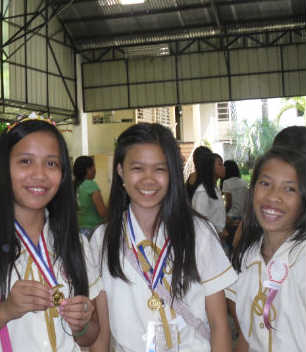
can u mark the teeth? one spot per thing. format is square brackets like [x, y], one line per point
[36, 189]
[271, 212]
[147, 192]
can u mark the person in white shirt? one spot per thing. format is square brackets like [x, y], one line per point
[163, 268]
[207, 198]
[269, 296]
[235, 191]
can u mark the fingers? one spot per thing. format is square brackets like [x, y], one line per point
[28, 296]
[77, 311]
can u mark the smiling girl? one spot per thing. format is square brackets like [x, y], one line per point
[163, 268]
[271, 257]
[44, 284]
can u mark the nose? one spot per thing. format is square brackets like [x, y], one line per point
[38, 171]
[274, 194]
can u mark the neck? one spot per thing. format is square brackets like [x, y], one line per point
[271, 243]
[32, 223]
[146, 221]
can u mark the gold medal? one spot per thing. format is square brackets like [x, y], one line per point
[58, 296]
[154, 303]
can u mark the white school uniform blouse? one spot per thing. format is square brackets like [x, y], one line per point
[238, 188]
[288, 314]
[213, 209]
[127, 302]
[29, 333]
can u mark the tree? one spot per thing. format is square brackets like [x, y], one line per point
[298, 103]
[253, 139]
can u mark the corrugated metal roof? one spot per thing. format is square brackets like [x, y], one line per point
[107, 23]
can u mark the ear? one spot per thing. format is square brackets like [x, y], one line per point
[120, 171]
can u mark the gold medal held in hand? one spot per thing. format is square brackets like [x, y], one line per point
[154, 302]
[58, 296]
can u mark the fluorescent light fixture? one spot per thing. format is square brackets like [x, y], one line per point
[131, 2]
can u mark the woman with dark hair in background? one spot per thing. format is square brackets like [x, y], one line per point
[198, 153]
[235, 191]
[91, 208]
[206, 196]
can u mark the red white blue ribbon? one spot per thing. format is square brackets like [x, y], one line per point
[277, 274]
[154, 276]
[39, 254]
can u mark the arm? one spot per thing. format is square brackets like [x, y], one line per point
[80, 313]
[217, 318]
[99, 204]
[25, 296]
[242, 345]
[102, 342]
[237, 235]
[228, 201]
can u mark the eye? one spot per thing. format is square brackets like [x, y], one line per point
[290, 189]
[263, 183]
[25, 161]
[52, 163]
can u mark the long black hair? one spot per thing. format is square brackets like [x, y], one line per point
[205, 170]
[62, 213]
[251, 229]
[80, 167]
[175, 211]
[231, 170]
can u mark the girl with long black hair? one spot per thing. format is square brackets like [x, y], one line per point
[163, 268]
[44, 283]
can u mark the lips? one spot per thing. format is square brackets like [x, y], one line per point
[271, 214]
[37, 190]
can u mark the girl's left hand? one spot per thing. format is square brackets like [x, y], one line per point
[77, 312]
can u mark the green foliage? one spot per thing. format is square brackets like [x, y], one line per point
[298, 103]
[252, 140]
[3, 126]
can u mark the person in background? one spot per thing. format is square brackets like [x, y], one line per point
[271, 257]
[48, 279]
[91, 209]
[206, 197]
[163, 268]
[198, 153]
[235, 191]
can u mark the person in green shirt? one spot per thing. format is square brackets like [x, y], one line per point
[91, 208]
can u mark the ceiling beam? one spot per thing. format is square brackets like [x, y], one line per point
[160, 11]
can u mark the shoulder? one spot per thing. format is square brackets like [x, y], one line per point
[90, 185]
[96, 240]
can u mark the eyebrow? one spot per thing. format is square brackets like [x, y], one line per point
[31, 154]
[269, 177]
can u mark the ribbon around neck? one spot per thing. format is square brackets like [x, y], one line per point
[277, 274]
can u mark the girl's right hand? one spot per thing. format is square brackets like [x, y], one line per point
[26, 296]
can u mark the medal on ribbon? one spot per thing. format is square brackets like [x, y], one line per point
[42, 260]
[153, 278]
[277, 274]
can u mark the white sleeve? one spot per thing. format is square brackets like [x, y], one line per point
[216, 271]
[92, 267]
[200, 202]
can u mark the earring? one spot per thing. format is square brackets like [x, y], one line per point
[123, 185]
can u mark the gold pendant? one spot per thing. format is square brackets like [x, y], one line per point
[154, 303]
[58, 296]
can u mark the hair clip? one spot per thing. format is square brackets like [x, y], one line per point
[32, 117]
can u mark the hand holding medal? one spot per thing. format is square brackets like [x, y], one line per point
[77, 312]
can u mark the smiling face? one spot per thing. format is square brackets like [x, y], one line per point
[36, 173]
[277, 200]
[146, 178]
